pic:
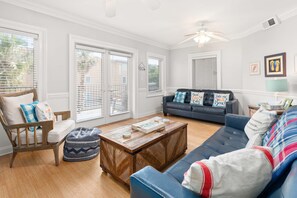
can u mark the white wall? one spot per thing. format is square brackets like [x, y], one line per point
[58, 31]
[236, 56]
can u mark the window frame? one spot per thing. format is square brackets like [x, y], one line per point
[41, 65]
[162, 76]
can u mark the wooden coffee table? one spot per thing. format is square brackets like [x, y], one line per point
[122, 157]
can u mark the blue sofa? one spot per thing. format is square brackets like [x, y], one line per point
[149, 183]
[205, 112]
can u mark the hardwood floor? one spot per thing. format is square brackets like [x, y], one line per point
[35, 175]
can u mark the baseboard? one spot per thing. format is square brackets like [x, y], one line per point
[148, 114]
[4, 150]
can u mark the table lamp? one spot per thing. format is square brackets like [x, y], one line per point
[277, 85]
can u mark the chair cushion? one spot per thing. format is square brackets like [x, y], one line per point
[12, 110]
[59, 132]
[181, 106]
[209, 110]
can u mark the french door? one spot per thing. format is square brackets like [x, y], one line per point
[103, 85]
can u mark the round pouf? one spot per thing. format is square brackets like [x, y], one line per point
[81, 144]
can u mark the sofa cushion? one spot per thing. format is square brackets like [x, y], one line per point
[197, 98]
[209, 110]
[225, 140]
[220, 100]
[179, 97]
[177, 105]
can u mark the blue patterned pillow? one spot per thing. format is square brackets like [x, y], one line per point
[29, 113]
[180, 97]
[220, 100]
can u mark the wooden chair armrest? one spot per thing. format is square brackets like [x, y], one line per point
[65, 114]
[46, 127]
[44, 124]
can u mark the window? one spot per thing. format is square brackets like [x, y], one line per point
[154, 74]
[88, 82]
[19, 57]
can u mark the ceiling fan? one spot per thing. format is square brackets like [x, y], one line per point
[110, 6]
[203, 36]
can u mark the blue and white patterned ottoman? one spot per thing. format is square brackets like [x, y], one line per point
[81, 144]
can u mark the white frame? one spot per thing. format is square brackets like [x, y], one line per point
[255, 73]
[195, 56]
[73, 39]
[42, 62]
[162, 59]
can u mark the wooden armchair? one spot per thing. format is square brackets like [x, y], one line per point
[48, 137]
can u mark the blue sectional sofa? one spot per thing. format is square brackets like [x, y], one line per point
[205, 112]
[149, 183]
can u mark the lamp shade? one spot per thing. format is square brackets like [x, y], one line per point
[277, 85]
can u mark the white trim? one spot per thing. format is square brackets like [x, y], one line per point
[148, 113]
[213, 54]
[42, 64]
[163, 74]
[4, 150]
[83, 21]
[83, 40]
[63, 95]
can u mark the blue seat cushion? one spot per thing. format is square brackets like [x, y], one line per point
[225, 140]
[180, 106]
[209, 110]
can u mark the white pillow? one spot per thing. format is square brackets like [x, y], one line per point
[197, 98]
[12, 110]
[220, 100]
[44, 112]
[241, 173]
[259, 122]
[256, 140]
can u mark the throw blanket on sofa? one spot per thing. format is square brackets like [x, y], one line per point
[282, 138]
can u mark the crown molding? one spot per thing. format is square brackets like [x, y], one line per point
[257, 28]
[82, 21]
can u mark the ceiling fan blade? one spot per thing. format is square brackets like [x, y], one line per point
[152, 4]
[110, 8]
[221, 38]
[187, 39]
[191, 34]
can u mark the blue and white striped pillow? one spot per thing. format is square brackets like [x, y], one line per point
[29, 113]
[180, 97]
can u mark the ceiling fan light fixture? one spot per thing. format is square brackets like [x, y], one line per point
[202, 39]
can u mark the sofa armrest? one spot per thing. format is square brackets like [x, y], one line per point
[168, 99]
[150, 183]
[232, 106]
[236, 121]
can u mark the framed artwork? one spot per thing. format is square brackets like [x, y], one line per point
[287, 103]
[275, 65]
[255, 68]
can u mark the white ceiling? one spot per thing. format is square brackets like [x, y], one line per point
[175, 18]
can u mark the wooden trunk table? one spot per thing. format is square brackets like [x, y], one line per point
[122, 157]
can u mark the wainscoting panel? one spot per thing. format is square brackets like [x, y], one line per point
[58, 101]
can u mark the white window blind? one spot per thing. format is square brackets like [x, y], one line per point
[154, 74]
[89, 94]
[19, 55]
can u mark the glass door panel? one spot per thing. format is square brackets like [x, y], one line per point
[89, 94]
[118, 85]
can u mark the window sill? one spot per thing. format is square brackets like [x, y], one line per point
[157, 94]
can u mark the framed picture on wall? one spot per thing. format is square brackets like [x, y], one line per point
[255, 68]
[275, 65]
